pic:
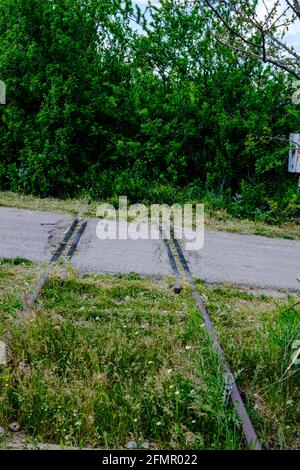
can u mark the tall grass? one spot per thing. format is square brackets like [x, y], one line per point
[258, 334]
[110, 359]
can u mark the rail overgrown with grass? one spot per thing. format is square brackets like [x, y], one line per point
[108, 359]
[258, 334]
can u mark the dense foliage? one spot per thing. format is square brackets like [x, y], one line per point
[109, 100]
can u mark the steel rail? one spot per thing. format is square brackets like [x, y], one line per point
[30, 300]
[76, 241]
[65, 241]
[247, 426]
[177, 287]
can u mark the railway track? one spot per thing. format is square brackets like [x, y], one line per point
[247, 426]
[71, 241]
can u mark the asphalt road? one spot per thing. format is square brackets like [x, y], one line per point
[245, 260]
[249, 260]
[145, 257]
[30, 234]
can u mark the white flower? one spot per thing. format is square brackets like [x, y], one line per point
[169, 371]
[177, 392]
[188, 348]
[159, 423]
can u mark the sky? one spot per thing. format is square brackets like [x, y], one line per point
[293, 36]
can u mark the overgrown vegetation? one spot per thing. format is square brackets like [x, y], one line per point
[108, 359]
[105, 100]
[258, 335]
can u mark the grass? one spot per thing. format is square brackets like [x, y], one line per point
[221, 220]
[109, 359]
[214, 220]
[257, 334]
[21, 201]
[17, 278]
[16, 261]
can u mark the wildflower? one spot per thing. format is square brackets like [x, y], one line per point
[135, 420]
[177, 392]
[159, 423]
[188, 348]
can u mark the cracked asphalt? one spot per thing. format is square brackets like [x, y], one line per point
[246, 260]
[30, 234]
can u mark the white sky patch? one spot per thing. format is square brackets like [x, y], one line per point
[144, 3]
[293, 35]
